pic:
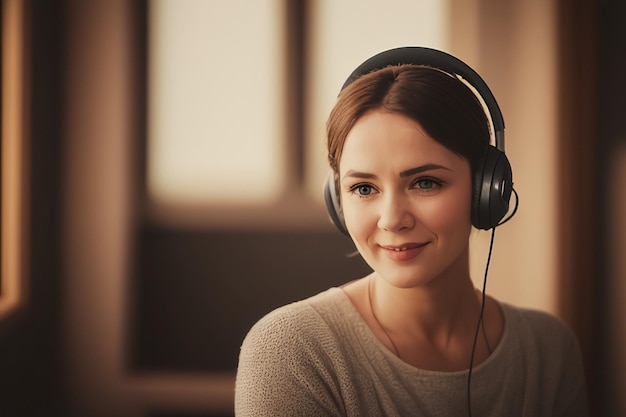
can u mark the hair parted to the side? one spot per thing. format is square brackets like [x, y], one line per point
[445, 107]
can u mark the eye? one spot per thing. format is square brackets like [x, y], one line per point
[362, 190]
[426, 184]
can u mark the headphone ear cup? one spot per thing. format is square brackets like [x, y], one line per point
[333, 204]
[493, 186]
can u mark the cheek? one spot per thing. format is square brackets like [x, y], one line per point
[356, 216]
[361, 221]
[453, 213]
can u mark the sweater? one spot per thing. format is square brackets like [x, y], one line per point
[318, 357]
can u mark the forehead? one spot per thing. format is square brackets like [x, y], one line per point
[392, 141]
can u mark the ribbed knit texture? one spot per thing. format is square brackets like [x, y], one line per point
[317, 357]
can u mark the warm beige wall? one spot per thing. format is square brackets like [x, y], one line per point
[512, 44]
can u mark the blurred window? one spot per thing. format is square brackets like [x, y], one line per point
[215, 115]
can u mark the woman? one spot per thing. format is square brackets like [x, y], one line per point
[407, 146]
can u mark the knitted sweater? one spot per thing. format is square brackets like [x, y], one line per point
[317, 357]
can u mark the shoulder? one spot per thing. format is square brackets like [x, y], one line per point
[537, 320]
[298, 315]
[539, 328]
[297, 331]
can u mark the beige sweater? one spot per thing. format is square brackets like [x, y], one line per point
[317, 357]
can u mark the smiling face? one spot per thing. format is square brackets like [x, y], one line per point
[406, 200]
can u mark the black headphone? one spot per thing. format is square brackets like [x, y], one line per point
[493, 183]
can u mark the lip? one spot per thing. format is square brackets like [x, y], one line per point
[403, 252]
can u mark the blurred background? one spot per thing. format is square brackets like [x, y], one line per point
[162, 166]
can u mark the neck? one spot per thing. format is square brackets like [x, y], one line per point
[420, 312]
[446, 307]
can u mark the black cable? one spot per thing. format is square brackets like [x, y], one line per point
[482, 306]
[510, 216]
[480, 319]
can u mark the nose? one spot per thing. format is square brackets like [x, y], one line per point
[395, 214]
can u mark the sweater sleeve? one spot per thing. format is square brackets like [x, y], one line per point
[283, 368]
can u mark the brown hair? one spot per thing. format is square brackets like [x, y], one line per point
[443, 105]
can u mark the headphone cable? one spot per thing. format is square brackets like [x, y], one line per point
[510, 216]
[480, 320]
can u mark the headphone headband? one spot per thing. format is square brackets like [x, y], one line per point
[426, 56]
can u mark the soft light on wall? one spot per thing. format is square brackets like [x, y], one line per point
[215, 111]
[14, 151]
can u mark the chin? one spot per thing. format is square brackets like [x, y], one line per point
[405, 279]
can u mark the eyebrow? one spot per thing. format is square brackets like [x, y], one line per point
[423, 168]
[403, 174]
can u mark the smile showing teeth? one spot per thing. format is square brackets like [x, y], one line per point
[404, 253]
[402, 248]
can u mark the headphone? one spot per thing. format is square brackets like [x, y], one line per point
[493, 181]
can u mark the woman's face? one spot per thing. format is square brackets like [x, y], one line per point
[406, 200]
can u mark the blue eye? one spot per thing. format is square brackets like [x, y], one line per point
[364, 189]
[426, 184]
